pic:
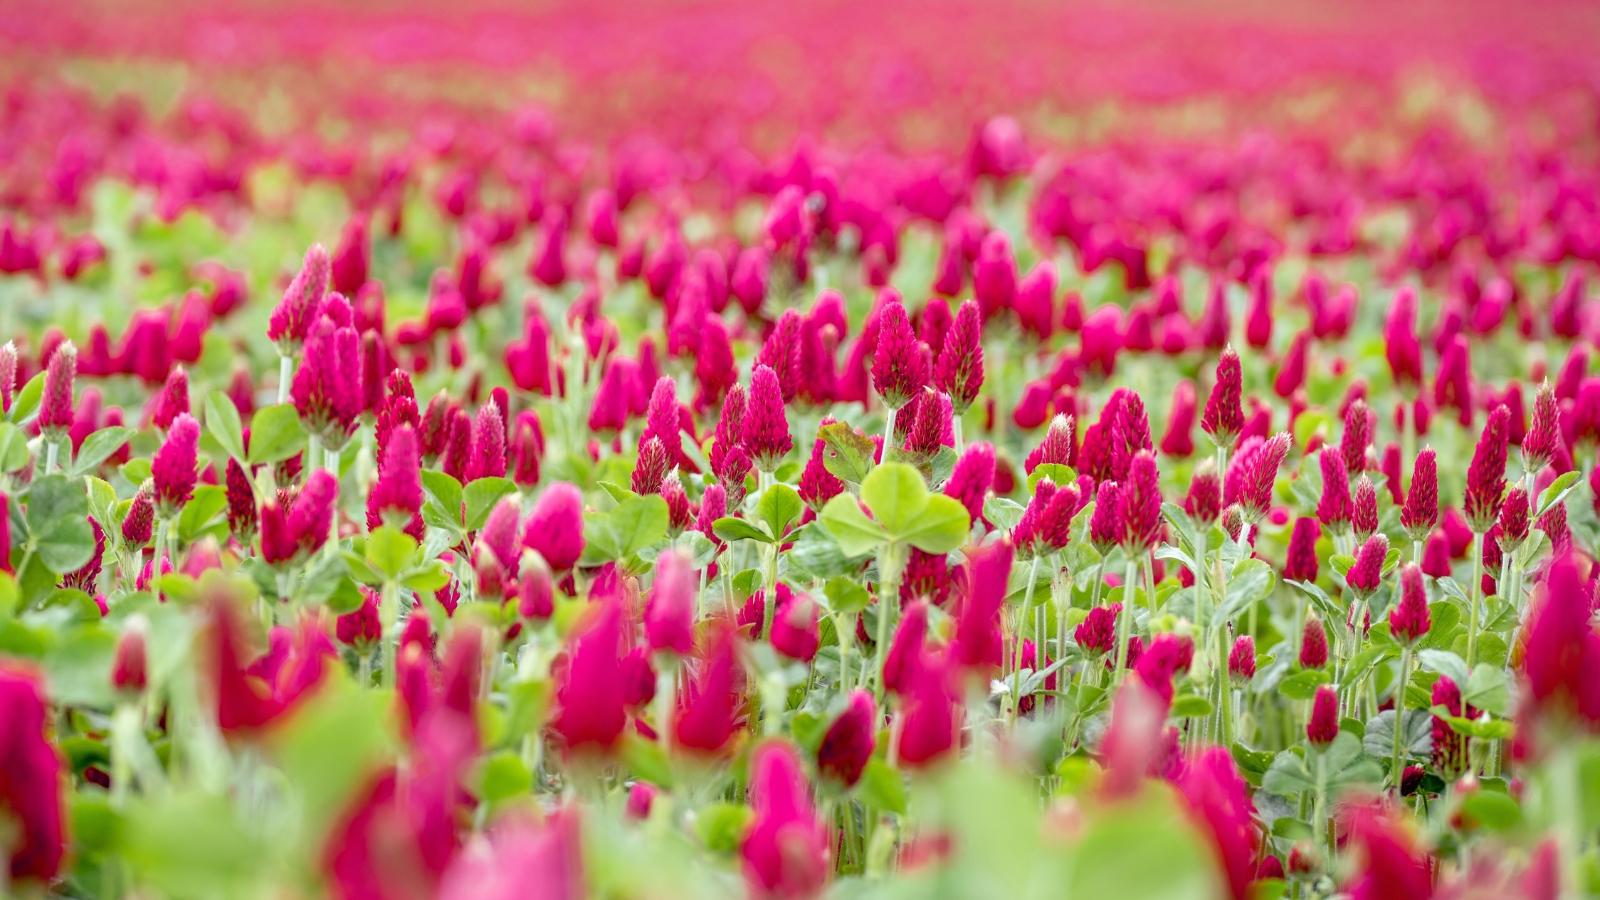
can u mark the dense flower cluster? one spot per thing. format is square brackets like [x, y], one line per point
[857, 476]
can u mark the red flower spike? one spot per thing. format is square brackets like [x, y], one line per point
[1096, 635]
[1544, 431]
[766, 426]
[1513, 521]
[1562, 649]
[311, 517]
[173, 468]
[1400, 343]
[1390, 866]
[1313, 644]
[55, 404]
[899, 366]
[1486, 475]
[1141, 502]
[708, 711]
[1203, 503]
[978, 643]
[959, 372]
[847, 745]
[970, 480]
[785, 852]
[8, 375]
[1449, 754]
[1335, 507]
[128, 664]
[535, 588]
[796, 630]
[1421, 510]
[1242, 658]
[1367, 572]
[1057, 448]
[1218, 799]
[1292, 371]
[1105, 523]
[294, 315]
[1223, 418]
[1359, 423]
[1364, 516]
[31, 780]
[1215, 322]
[396, 497]
[1101, 341]
[1178, 441]
[1323, 726]
[669, 613]
[555, 527]
[1410, 619]
[817, 484]
[137, 526]
[172, 401]
[527, 449]
[488, 459]
[932, 718]
[241, 504]
[1301, 563]
[1262, 475]
[589, 713]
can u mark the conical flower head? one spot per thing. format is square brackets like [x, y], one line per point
[327, 389]
[555, 527]
[669, 613]
[139, 524]
[899, 366]
[817, 484]
[1301, 559]
[1410, 619]
[1367, 572]
[1259, 479]
[1400, 342]
[847, 745]
[55, 404]
[1323, 726]
[301, 304]
[1335, 508]
[978, 641]
[1421, 510]
[1223, 418]
[31, 788]
[970, 480]
[782, 351]
[1313, 644]
[589, 712]
[1242, 658]
[1203, 503]
[173, 399]
[1057, 447]
[1359, 422]
[903, 662]
[1513, 521]
[396, 496]
[1486, 474]
[959, 372]
[766, 427]
[1364, 518]
[708, 713]
[1141, 504]
[173, 468]
[488, 455]
[1105, 523]
[785, 852]
[1097, 633]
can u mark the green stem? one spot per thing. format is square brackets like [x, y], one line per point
[1124, 622]
[888, 598]
[388, 615]
[1474, 598]
[285, 374]
[1396, 768]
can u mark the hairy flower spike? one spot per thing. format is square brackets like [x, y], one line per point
[1242, 659]
[1335, 507]
[1262, 475]
[396, 497]
[766, 427]
[173, 466]
[1105, 524]
[970, 480]
[1203, 503]
[1486, 475]
[1359, 423]
[1364, 518]
[293, 317]
[1513, 519]
[899, 365]
[1223, 418]
[959, 372]
[1313, 644]
[1539, 443]
[817, 484]
[1421, 510]
[1324, 724]
[172, 400]
[488, 455]
[1367, 572]
[1301, 564]
[139, 524]
[1410, 619]
[55, 404]
[1141, 504]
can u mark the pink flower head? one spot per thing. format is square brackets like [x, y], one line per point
[1106, 522]
[1301, 562]
[1367, 572]
[1035, 300]
[782, 351]
[899, 365]
[1486, 474]
[173, 466]
[327, 389]
[972, 477]
[932, 718]
[589, 712]
[348, 267]
[1544, 431]
[1410, 620]
[847, 745]
[55, 404]
[903, 662]
[1167, 656]
[1057, 448]
[361, 628]
[817, 484]
[785, 852]
[1400, 343]
[1097, 633]
[959, 372]
[1218, 799]
[1359, 422]
[555, 527]
[1203, 502]
[1256, 494]
[1141, 503]
[1390, 866]
[1324, 724]
[1242, 658]
[729, 432]
[669, 613]
[1364, 518]
[1421, 510]
[766, 425]
[1313, 644]
[128, 665]
[1335, 507]
[709, 709]
[796, 630]
[137, 526]
[396, 497]
[172, 400]
[994, 274]
[311, 518]
[527, 449]
[1452, 384]
[1563, 650]
[31, 780]
[978, 643]
[301, 304]
[1178, 441]
[1292, 371]
[613, 396]
[1101, 341]
[488, 455]
[535, 588]
[1129, 751]
[1223, 418]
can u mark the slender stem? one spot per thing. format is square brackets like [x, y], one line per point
[388, 615]
[1396, 769]
[888, 599]
[666, 699]
[1124, 622]
[955, 428]
[51, 449]
[770, 599]
[1474, 598]
[285, 373]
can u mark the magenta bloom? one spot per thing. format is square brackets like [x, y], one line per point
[1313, 644]
[327, 389]
[31, 778]
[55, 404]
[1101, 340]
[1242, 658]
[1367, 572]
[1256, 489]
[1324, 724]
[1410, 619]
[1302, 563]
[978, 641]
[555, 527]
[959, 372]
[589, 710]
[1218, 799]
[766, 425]
[1486, 474]
[847, 745]
[899, 365]
[904, 660]
[1224, 414]
[292, 318]
[1421, 510]
[1141, 504]
[173, 466]
[669, 614]
[785, 852]
[396, 497]
[708, 712]
[1400, 342]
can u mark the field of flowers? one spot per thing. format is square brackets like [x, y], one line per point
[695, 450]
